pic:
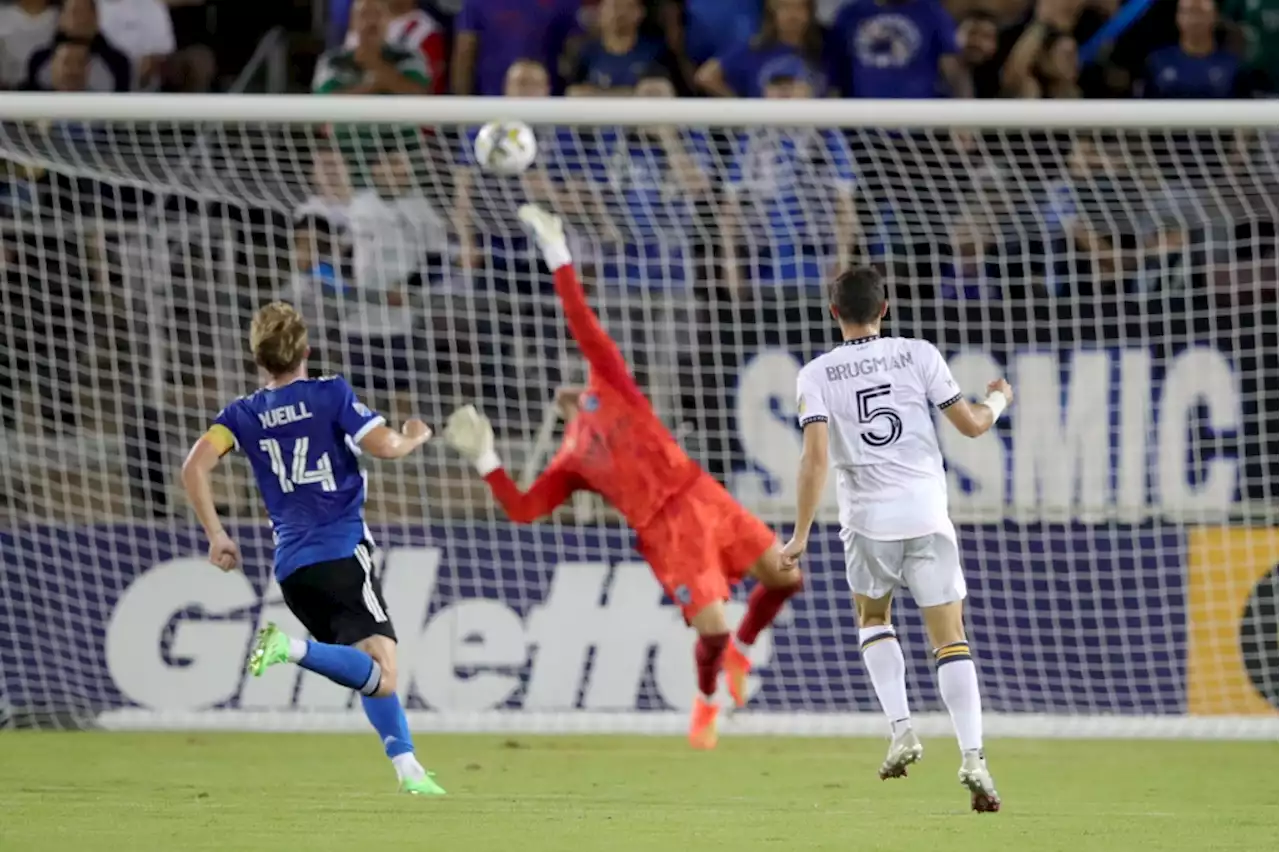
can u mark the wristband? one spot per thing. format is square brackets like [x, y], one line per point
[997, 402]
[556, 255]
[488, 463]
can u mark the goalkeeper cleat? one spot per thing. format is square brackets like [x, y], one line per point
[974, 775]
[422, 786]
[271, 648]
[736, 668]
[903, 751]
[702, 725]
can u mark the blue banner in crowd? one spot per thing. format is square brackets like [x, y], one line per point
[1063, 619]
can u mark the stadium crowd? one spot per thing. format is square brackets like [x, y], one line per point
[701, 243]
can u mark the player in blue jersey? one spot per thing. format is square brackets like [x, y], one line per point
[302, 437]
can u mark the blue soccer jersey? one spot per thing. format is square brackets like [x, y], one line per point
[302, 441]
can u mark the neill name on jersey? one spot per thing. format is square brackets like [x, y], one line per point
[284, 415]
[868, 366]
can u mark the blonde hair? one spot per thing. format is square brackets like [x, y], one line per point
[278, 338]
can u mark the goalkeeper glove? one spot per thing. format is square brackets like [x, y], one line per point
[469, 432]
[548, 231]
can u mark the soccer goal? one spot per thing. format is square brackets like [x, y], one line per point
[1116, 261]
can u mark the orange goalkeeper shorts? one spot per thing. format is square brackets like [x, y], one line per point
[701, 543]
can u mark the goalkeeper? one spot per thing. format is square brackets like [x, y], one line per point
[695, 536]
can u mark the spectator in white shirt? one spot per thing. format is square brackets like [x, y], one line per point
[143, 29]
[25, 27]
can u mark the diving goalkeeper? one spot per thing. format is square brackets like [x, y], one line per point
[695, 536]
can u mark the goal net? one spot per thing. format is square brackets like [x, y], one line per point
[1118, 528]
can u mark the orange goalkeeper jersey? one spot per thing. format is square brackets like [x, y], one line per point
[616, 446]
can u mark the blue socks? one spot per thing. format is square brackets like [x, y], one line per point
[386, 714]
[354, 669]
[344, 665]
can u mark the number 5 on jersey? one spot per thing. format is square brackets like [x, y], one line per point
[869, 413]
[296, 473]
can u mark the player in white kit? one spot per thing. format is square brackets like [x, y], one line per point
[867, 406]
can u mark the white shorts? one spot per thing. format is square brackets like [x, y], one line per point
[929, 566]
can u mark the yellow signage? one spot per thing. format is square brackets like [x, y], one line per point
[1231, 621]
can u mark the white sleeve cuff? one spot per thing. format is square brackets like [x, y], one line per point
[488, 463]
[556, 255]
[368, 427]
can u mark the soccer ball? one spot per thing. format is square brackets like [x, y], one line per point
[506, 147]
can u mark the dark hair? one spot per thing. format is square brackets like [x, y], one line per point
[858, 295]
[981, 15]
[768, 35]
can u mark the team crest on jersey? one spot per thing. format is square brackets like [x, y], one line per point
[589, 402]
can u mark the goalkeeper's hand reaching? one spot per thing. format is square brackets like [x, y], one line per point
[470, 433]
[548, 232]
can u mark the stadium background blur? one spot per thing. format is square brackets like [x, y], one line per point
[973, 225]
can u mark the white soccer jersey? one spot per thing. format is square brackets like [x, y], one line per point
[876, 395]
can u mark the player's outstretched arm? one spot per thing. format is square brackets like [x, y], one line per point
[977, 419]
[383, 442]
[810, 480]
[197, 474]
[596, 345]
[469, 432]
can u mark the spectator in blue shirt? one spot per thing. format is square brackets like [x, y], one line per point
[646, 185]
[792, 190]
[1196, 67]
[485, 204]
[713, 26]
[613, 63]
[490, 35]
[896, 49]
[789, 32]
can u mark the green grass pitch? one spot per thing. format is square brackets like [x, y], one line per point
[80, 792]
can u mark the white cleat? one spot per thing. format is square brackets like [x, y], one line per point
[977, 780]
[903, 751]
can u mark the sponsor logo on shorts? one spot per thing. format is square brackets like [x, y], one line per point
[683, 595]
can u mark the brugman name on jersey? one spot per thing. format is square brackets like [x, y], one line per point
[868, 367]
[1093, 435]
[178, 636]
[284, 415]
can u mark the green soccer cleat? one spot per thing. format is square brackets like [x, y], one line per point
[424, 786]
[271, 649]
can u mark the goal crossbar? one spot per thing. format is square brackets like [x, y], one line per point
[628, 112]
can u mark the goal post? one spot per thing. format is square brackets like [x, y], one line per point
[1115, 260]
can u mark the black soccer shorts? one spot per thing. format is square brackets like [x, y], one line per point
[340, 601]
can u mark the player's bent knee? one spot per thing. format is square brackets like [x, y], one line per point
[772, 572]
[383, 652]
[710, 620]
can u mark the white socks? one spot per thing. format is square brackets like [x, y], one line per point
[883, 658]
[958, 683]
[407, 766]
[297, 649]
